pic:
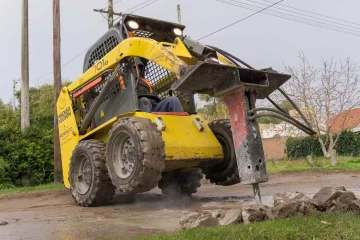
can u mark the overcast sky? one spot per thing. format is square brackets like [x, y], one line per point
[261, 40]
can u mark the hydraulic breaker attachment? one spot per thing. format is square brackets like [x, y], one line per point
[239, 88]
[247, 140]
[218, 80]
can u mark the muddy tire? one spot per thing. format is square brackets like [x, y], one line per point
[90, 183]
[226, 172]
[180, 183]
[135, 155]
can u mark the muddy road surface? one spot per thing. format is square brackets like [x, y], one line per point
[54, 215]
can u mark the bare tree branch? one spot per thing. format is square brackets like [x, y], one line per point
[327, 94]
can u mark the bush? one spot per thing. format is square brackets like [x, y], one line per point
[5, 181]
[302, 147]
[25, 159]
[28, 157]
[347, 145]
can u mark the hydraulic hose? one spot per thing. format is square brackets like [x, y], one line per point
[281, 118]
[284, 115]
[94, 107]
[230, 55]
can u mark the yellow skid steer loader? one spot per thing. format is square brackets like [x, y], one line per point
[108, 142]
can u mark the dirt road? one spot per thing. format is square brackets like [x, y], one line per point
[54, 215]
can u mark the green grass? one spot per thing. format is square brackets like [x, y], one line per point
[344, 163]
[313, 227]
[50, 186]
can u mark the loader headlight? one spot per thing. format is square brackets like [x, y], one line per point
[177, 31]
[132, 24]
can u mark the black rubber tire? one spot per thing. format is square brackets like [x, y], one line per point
[180, 183]
[101, 189]
[225, 173]
[149, 161]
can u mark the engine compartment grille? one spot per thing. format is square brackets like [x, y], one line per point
[103, 49]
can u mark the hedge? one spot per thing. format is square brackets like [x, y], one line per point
[347, 145]
[25, 159]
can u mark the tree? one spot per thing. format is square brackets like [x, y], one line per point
[28, 158]
[323, 93]
[213, 109]
[216, 109]
[2, 105]
[42, 103]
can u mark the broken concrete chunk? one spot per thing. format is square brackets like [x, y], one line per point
[219, 214]
[232, 216]
[280, 198]
[355, 206]
[335, 199]
[194, 219]
[255, 213]
[297, 206]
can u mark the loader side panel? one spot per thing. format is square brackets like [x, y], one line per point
[184, 141]
[68, 132]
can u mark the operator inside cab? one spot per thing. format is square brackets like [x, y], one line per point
[148, 102]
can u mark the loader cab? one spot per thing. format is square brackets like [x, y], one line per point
[160, 78]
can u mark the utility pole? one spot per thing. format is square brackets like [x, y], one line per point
[110, 12]
[25, 113]
[179, 13]
[15, 81]
[57, 88]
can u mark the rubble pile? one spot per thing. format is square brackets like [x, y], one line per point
[327, 200]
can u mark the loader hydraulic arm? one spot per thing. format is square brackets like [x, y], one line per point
[132, 47]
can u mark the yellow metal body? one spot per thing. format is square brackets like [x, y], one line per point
[184, 142]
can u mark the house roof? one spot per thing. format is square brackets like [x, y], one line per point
[346, 120]
[356, 129]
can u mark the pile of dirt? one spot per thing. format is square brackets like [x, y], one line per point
[327, 200]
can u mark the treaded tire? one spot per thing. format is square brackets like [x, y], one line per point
[147, 154]
[225, 173]
[101, 190]
[180, 183]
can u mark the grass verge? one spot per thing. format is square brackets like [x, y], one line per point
[311, 227]
[50, 186]
[344, 164]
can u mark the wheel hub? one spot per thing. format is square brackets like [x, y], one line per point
[129, 156]
[83, 175]
[125, 157]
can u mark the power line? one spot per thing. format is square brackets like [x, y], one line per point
[138, 5]
[113, 4]
[144, 6]
[103, 16]
[81, 53]
[314, 13]
[297, 19]
[240, 20]
[138, 8]
[301, 14]
[64, 65]
[322, 22]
